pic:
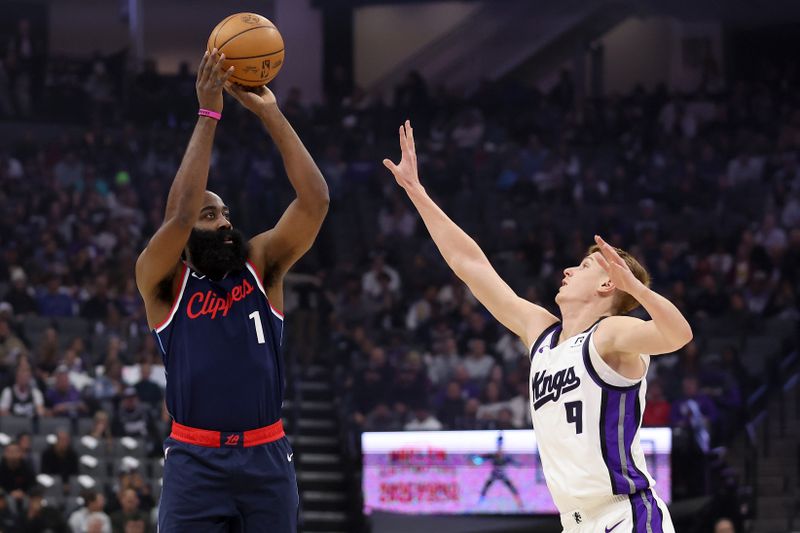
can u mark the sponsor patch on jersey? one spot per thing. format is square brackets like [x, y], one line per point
[549, 388]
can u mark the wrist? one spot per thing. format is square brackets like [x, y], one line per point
[639, 291]
[213, 114]
[268, 112]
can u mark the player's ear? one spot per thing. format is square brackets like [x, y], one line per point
[606, 287]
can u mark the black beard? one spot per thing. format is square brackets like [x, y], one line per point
[212, 256]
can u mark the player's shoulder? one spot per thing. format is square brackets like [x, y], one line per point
[617, 322]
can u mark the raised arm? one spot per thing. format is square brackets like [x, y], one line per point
[463, 255]
[627, 337]
[276, 250]
[160, 259]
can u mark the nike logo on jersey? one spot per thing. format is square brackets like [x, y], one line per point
[289, 457]
[546, 388]
[208, 303]
[608, 529]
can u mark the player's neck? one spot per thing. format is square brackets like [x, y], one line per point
[579, 317]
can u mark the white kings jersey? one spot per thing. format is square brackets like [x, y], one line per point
[587, 418]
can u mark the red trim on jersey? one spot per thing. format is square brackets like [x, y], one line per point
[213, 439]
[176, 302]
[264, 287]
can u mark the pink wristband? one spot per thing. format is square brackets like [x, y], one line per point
[210, 114]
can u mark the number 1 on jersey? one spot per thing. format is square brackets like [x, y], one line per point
[575, 415]
[256, 316]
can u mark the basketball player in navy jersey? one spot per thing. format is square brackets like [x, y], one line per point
[587, 370]
[214, 302]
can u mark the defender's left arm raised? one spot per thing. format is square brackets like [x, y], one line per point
[276, 250]
[629, 336]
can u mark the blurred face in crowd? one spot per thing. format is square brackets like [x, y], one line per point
[129, 501]
[62, 441]
[214, 247]
[94, 525]
[62, 381]
[724, 526]
[23, 377]
[98, 503]
[12, 454]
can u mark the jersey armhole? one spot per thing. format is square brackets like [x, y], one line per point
[168, 320]
[549, 329]
[605, 376]
[252, 268]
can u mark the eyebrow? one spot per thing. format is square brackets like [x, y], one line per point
[213, 208]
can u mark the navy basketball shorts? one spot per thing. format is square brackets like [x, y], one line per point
[232, 487]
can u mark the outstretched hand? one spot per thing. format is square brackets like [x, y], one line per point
[618, 271]
[211, 77]
[405, 172]
[256, 99]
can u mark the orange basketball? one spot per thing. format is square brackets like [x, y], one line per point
[252, 44]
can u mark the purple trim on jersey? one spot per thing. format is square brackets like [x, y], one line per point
[587, 361]
[618, 427]
[647, 515]
[542, 336]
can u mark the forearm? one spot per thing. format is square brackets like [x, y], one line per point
[667, 319]
[455, 245]
[303, 173]
[186, 193]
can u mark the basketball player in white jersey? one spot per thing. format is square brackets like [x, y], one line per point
[587, 370]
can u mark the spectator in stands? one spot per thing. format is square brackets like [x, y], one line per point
[55, 301]
[129, 510]
[108, 388]
[47, 354]
[693, 406]
[80, 521]
[9, 522]
[21, 295]
[469, 418]
[134, 420]
[442, 365]
[370, 281]
[11, 346]
[17, 477]
[60, 459]
[42, 517]
[453, 405]
[63, 399]
[478, 363]
[409, 390]
[657, 410]
[22, 398]
[25, 442]
[369, 390]
[149, 393]
[381, 418]
[423, 420]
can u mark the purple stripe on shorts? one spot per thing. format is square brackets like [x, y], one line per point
[647, 516]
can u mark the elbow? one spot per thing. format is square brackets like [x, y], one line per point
[685, 336]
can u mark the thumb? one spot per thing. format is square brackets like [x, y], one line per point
[391, 166]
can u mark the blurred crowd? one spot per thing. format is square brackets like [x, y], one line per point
[704, 188]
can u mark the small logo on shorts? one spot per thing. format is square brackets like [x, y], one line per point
[232, 440]
[289, 456]
[608, 529]
[578, 518]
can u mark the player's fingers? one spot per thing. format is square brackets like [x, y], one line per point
[606, 250]
[208, 68]
[603, 263]
[412, 146]
[227, 75]
[202, 66]
[403, 141]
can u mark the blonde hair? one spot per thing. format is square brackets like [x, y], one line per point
[624, 302]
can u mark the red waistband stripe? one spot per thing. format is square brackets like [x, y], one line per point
[227, 439]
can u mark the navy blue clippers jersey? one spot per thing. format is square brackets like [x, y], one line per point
[221, 345]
